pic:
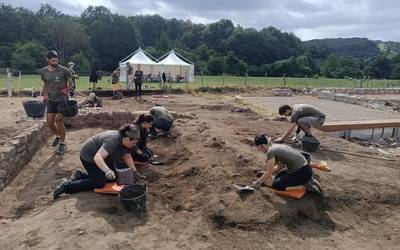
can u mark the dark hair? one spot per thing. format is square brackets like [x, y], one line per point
[284, 108]
[52, 54]
[261, 139]
[144, 118]
[126, 128]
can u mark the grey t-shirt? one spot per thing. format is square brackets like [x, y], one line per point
[302, 110]
[110, 140]
[161, 113]
[55, 81]
[288, 156]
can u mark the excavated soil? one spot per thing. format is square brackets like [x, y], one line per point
[192, 204]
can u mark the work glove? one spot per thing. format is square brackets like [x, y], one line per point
[256, 184]
[65, 91]
[110, 175]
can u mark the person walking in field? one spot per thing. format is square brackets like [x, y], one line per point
[57, 82]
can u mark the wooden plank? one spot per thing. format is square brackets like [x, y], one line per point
[352, 125]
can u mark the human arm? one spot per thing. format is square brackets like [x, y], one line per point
[287, 134]
[127, 158]
[270, 169]
[99, 160]
[45, 90]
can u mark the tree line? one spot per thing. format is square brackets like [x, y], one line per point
[99, 39]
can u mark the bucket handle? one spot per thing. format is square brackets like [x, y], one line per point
[66, 103]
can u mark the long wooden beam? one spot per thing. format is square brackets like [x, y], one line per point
[354, 125]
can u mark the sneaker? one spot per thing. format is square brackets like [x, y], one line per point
[313, 186]
[79, 175]
[62, 148]
[56, 141]
[60, 189]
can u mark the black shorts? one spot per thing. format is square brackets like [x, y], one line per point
[52, 107]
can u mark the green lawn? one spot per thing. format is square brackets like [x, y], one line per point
[33, 81]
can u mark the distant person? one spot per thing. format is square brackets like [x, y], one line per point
[138, 81]
[129, 73]
[93, 78]
[98, 155]
[303, 116]
[163, 120]
[99, 74]
[71, 66]
[115, 85]
[92, 101]
[164, 77]
[57, 82]
[287, 166]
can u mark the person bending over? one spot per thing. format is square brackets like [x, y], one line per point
[98, 156]
[163, 120]
[291, 168]
[304, 116]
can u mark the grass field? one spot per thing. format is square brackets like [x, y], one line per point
[33, 81]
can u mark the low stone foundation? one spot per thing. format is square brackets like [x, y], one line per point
[99, 117]
[355, 91]
[380, 103]
[17, 152]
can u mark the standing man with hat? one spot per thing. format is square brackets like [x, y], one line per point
[71, 66]
[57, 82]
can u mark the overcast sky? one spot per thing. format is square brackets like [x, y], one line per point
[308, 19]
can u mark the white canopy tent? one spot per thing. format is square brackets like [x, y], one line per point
[175, 66]
[139, 57]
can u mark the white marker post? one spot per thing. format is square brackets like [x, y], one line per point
[9, 82]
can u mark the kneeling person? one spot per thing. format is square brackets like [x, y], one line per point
[163, 120]
[305, 116]
[91, 101]
[98, 156]
[297, 173]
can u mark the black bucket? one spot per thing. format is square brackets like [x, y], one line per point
[134, 197]
[34, 109]
[307, 156]
[310, 143]
[68, 108]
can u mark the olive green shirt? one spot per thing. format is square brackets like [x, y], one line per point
[110, 140]
[287, 156]
[55, 81]
[161, 113]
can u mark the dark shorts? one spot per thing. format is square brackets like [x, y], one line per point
[52, 107]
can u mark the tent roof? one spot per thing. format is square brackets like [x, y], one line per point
[138, 57]
[172, 59]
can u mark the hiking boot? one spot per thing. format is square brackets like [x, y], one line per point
[56, 141]
[79, 175]
[60, 189]
[313, 186]
[62, 148]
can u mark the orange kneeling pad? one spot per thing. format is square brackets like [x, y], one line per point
[109, 188]
[295, 193]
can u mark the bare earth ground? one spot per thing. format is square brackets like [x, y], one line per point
[192, 204]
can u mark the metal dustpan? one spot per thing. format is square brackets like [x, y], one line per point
[243, 188]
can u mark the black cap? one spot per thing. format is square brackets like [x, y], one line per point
[52, 54]
[261, 139]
